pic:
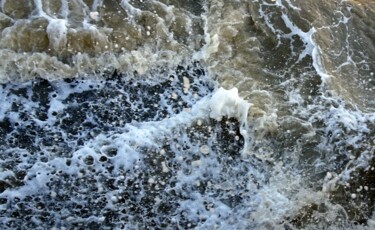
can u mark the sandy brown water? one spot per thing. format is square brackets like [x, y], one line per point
[303, 161]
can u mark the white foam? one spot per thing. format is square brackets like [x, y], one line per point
[317, 62]
[57, 31]
[228, 103]
[94, 15]
[5, 104]
[271, 200]
[131, 10]
[204, 149]
[306, 37]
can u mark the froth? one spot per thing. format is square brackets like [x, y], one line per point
[152, 158]
[70, 40]
[163, 143]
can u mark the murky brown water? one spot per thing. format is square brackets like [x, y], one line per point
[307, 68]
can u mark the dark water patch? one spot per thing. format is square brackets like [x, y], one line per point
[53, 179]
[154, 193]
[60, 113]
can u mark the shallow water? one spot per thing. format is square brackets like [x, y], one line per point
[187, 114]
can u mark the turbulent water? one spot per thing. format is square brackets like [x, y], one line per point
[172, 114]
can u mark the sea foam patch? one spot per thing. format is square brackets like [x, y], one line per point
[121, 153]
[164, 146]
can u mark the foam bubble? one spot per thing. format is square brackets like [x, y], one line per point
[57, 32]
[157, 145]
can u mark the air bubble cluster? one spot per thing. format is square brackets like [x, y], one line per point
[50, 178]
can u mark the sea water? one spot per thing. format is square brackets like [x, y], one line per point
[125, 114]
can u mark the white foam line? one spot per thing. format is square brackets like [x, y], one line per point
[311, 47]
[64, 10]
[223, 103]
[211, 41]
[267, 21]
[39, 9]
[291, 5]
[96, 4]
[305, 36]
[130, 9]
[5, 104]
[317, 62]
